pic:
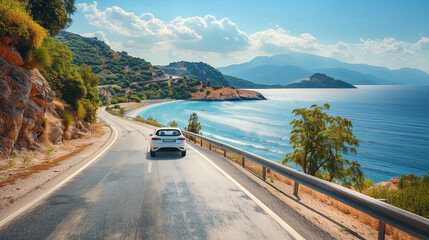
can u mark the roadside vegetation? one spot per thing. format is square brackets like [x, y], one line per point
[319, 142]
[30, 26]
[411, 194]
[193, 124]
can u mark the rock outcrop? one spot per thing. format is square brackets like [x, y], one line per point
[27, 112]
[228, 94]
[391, 184]
[25, 96]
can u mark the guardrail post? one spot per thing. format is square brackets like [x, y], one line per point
[201, 142]
[381, 226]
[242, 161]
[210, 146]
[264, 170]
[224, 152]
[295, 188]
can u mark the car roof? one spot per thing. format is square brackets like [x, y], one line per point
[168, 128]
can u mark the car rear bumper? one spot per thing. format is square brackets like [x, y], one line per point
[167, 147]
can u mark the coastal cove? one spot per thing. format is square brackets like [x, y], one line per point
[391, 122]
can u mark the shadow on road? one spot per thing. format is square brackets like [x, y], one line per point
[165, 156]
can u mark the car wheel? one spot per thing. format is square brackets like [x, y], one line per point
[152, 153]
[183, 153]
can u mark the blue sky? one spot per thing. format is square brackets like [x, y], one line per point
[392, 33]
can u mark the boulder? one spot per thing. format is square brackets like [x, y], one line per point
[395, 181]
[56, 132]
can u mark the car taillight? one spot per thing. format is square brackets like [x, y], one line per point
[181, 139]
[155, 138]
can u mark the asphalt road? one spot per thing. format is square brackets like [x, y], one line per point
[129, 195]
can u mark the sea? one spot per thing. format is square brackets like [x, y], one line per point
[391, 122]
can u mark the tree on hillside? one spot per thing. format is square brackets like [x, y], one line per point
[319, 141]
[53, 15]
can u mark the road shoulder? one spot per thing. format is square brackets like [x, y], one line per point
[23, 191]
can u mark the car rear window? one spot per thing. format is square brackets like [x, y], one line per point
[168, 132]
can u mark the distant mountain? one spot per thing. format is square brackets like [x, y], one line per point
[273, 74]
[111, 67]
[241, 83]
[319, 80]
[353, 73]
[197, 70]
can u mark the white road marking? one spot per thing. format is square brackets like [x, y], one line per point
[149, 167]
[282, 223]
[47, 193]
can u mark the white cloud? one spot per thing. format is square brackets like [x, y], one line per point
[340, 50]
[194, 33]
[423, 43]
[386, 46]
[221, 42]
[210, 34]
[275, 40]
[99, 35]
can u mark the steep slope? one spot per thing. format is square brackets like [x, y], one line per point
[112, 67]
[319, 80]
[197, 70]
[313, 63]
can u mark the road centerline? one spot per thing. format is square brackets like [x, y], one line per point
[149, 167]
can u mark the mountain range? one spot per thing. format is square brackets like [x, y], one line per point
[287, 68]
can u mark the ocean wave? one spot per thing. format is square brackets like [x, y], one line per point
[370, 153]
[244, 144]
[368, 141]
[281, 144]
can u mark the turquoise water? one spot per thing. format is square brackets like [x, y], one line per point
[392, 123]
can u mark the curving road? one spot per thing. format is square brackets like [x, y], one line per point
[126, 194]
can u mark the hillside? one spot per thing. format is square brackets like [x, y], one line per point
[273, 74]
[357, 74]
[242, 83]
[196, 70]
[319, 80]
[111, 67]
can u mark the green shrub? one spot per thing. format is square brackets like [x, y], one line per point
[411, 195]
[81, 112]
[173, 124]
[16, 21]
[150, 118]
[67, 119]
[37, 58]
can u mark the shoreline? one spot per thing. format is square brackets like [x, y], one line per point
[149, 104]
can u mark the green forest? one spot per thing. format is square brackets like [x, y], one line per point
[110, 66]
[197, 70]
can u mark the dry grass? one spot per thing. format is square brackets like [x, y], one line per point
[59, 105]
[22, 174]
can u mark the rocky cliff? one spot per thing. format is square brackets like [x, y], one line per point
[27, 108]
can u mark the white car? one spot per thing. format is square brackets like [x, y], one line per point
[167, 139]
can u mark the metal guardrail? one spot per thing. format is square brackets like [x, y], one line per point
[411, 223]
